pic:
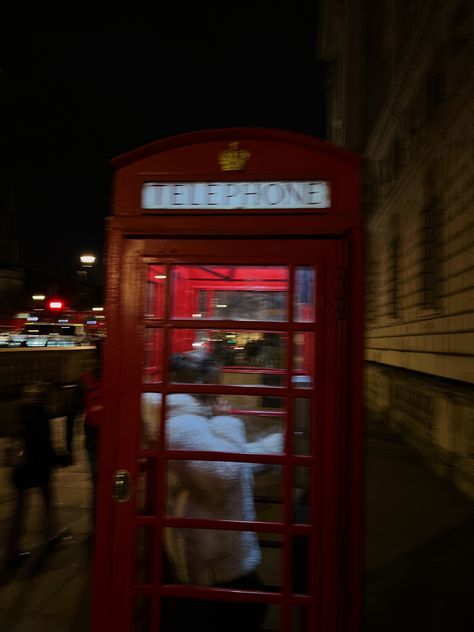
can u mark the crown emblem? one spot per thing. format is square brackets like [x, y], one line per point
[233, 158]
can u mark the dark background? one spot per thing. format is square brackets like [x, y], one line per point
[73, 100]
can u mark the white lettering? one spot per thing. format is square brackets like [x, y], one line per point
[315, 195]
[273, 193]
[233, 191]
[294, 192]
[211, 193]
[249, 200]
[177, 194]
[236, 195]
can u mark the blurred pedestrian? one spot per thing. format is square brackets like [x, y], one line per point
[92, 405]
[35, 460]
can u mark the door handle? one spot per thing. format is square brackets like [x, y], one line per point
[122, 487]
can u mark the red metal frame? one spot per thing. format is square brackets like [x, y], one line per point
[333, 240]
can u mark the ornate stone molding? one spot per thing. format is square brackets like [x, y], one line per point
[404, 81]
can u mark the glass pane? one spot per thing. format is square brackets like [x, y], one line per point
[206, 557]
[155, 291]
[268, 493]
[303, 359]
[240, 357]
[179, 614]
[271, 566]
[299, 618]
[302, 425]
[304, 295]
[301, 556]
[229, 292]
[252, 425]
[144, 548]
[142, 614]
[272, 622]
[146, 487]
[150, 420]
[153, 354]
[224, 490]
[301, 508]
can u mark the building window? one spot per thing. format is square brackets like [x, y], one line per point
[460, 26]
[435, 91]
[371, 288]
[431, 246]
[431, 255]
[394, 270]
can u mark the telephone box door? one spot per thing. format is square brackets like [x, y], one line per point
[228, 486]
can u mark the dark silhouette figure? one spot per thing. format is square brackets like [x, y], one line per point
[35, 461]
[90, 401]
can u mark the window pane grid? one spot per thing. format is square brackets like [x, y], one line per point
[288, 459]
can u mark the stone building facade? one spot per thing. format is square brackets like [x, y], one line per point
[401, 92]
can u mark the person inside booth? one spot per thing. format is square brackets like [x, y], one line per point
[213, 490]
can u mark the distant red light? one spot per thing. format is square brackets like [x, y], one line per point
[55, 304]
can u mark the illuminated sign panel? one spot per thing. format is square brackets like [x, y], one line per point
[236, 195]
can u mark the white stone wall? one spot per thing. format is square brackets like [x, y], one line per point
[418, 147]
[434, 338]
[420, 158]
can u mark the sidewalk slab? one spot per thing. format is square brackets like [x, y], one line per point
[419, 550]
[419, 543]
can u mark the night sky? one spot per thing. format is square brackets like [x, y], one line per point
[73, 100]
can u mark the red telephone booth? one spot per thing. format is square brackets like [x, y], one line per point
[232, 494]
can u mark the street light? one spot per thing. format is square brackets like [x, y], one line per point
[87, 260]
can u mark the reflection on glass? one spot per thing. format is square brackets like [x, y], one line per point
[150, 420]
[155, 291]
[303, 359]
[229, 292]
[142, 614]
[153, 356]
[301, 479]
[245, 357]
[146, 487]
[304, 295]
[144, 547]
[302, 425]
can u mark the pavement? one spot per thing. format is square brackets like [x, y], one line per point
[419, 549]
[51, 590]
[419, 543]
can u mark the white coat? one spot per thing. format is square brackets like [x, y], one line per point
[212, 490]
